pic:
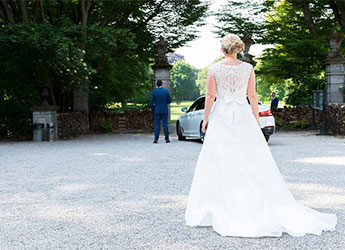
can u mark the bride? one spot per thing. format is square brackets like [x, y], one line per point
[237, 188]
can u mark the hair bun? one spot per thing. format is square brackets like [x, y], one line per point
[232, 43]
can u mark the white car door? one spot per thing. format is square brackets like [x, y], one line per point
[195, 121]
[186, 126]
[188, 123]
[197, 117]
[183, 122]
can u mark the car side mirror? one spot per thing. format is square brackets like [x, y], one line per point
[184, 109]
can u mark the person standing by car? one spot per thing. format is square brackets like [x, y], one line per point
[159, 105]
[274, 102]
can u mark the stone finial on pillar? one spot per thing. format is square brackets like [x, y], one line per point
[161, 46]
[334, 70]
[162, 67]
[335, 41]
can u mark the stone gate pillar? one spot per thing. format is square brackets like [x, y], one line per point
[81, 98]
[45, 114]
[334, 74]
[162, 68]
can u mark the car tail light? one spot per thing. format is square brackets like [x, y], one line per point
[266, 113]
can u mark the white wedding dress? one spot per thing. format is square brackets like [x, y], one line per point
[237, 188]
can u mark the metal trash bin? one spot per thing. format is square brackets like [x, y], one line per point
[38, 132]
[50, 126]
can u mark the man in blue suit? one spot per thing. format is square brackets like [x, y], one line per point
[274, 102]
[159, 104]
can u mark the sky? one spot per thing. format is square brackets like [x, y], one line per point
[206, 48]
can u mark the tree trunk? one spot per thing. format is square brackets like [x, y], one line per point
[22, 7]
[15, 12]
[80, 93]
[2, 15]
[6, 11]
[34, 10]
[341, 8]
[336, 13]
[42, 10]
[83, 12]
[309, 19]
[50, 17]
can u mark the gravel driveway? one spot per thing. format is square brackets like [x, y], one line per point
[124, 192]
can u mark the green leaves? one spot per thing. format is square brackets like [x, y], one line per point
[244, 18]
[295, 66]
[183, 86]
[113, 50]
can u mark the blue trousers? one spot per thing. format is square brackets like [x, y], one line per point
[164, 119]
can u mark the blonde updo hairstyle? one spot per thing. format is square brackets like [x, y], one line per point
[231, 44]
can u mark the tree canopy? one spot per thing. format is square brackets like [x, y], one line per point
[244, 18]
[183, 85]
[298, 29]
[108, 43]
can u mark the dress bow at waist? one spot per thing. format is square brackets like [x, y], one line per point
[228, 99]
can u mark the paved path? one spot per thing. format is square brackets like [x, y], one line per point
[123, 192]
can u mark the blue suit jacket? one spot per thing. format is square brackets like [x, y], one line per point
[159, 101]
[274, 103]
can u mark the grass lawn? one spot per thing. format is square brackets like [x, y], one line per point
[281, 104]
[176, 109]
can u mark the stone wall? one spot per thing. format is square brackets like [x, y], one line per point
[72, 124]
[295, 117]
[300, 117]
[336, 118]
[76, 123]
[289, 117]
[132, 120]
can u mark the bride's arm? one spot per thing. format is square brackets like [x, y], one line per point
[252, 96]
[210, 95]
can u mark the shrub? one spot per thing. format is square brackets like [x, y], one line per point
[15, 119]
[106, 125]
[120, 108]
[301, 124]
[279, 123]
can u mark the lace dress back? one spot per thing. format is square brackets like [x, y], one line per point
[231, 80]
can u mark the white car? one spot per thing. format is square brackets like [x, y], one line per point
[189, 124]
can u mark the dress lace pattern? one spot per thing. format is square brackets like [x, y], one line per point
[231, 78]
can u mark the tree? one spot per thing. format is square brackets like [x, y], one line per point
[183, 85]
[113, 42]
[298, 29]
[143, 21]
[233, 19]
[299, 34]
[174, 57]
[201, 81]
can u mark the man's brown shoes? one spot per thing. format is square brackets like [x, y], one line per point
[165, 141]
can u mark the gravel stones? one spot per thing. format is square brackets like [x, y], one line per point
[124, 192]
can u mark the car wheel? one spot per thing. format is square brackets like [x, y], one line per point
[202, 134]
[179, 132]
[267, 137]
